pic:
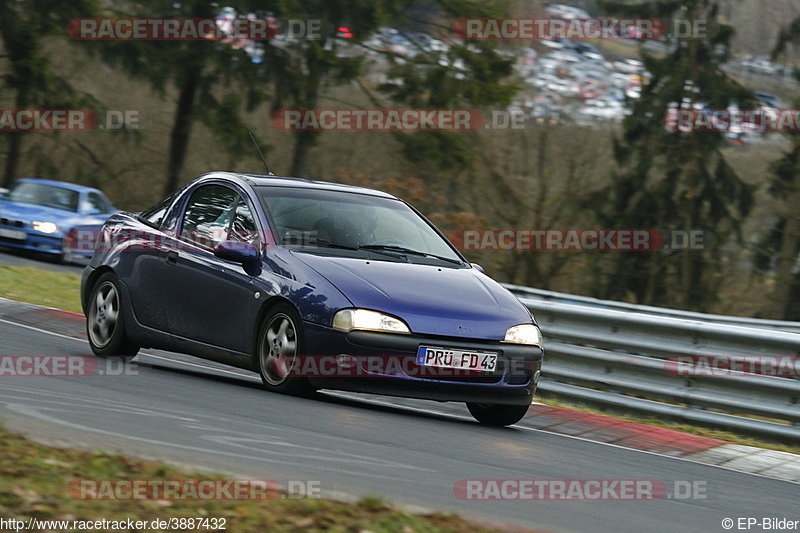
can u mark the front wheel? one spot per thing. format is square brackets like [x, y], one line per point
[280, 342]
[492, 414]
[105, 324]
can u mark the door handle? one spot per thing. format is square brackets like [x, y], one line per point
[172, 257]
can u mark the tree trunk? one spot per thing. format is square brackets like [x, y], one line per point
[14, 143]
[786, 261]
[787, 257]
[305, 141]
[12, 157]
[182, 127]
[16, 51]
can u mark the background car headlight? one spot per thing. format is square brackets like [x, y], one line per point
[350, 319]
[524, 334]
[45, 227]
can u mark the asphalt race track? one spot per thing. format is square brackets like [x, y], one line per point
[27, 259]
[198, 414]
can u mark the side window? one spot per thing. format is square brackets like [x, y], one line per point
[155, 215]
[208, 215]
[95, 201]
[244, 227]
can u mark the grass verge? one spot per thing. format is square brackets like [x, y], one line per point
[34, 478]
[42, 287]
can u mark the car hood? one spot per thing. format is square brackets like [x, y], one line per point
[458, 302]
[28, 212]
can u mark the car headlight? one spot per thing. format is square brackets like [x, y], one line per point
[350, 319]
[45, 227]
[524, 334]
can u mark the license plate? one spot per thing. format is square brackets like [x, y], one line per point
[13, 234]
[461, 359]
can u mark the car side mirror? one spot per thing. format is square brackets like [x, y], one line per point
[477, 267]
[3, 193]
[239, 252]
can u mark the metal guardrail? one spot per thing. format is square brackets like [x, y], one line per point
[619, 358]
[540, 294]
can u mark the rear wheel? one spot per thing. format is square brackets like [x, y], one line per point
[105, 324]
[492, 414]
[280, 342]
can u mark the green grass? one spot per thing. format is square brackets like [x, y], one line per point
[677, 426]
[34, 479]
[42, 287]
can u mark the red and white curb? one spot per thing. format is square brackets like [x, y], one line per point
[769, 463]
[601, 428]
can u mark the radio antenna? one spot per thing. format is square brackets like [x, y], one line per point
[260, 153]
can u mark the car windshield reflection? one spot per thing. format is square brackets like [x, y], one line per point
[347, 223]
[45, 195]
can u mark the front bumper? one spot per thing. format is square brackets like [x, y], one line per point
[513, 381]
[34, 241]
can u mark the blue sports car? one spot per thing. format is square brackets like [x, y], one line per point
[313, 285]
[43, 215]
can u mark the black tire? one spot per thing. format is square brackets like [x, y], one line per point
[105, 320]
[492, 414]
[276, 355]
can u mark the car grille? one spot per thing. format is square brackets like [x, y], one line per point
[11, 222]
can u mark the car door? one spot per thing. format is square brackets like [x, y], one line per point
[143, 265]
[209, 299]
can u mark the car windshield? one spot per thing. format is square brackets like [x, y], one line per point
[335, 222]
[46, 195]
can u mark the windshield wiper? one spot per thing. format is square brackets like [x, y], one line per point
[325, 243]
[402, 250]
[386, 249]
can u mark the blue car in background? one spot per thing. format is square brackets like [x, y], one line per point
[313, 285]
[44, 215]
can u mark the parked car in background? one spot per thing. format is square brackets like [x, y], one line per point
[769, 100]
[760, 65]
[41, 215]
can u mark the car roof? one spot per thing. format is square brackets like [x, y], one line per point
[62, 184]
[260, 180]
